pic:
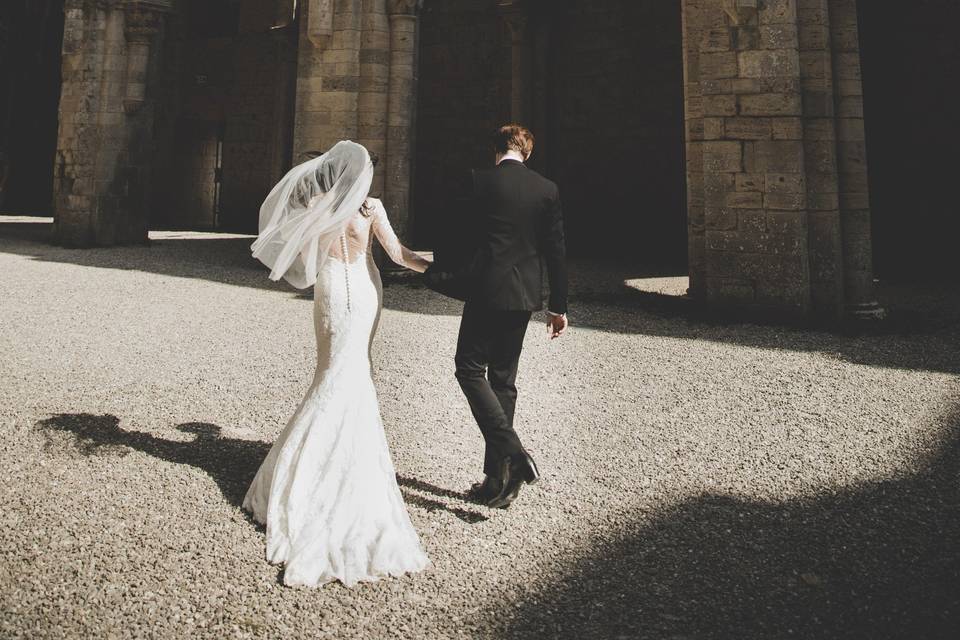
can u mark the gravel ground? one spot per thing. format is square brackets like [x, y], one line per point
[701, 479]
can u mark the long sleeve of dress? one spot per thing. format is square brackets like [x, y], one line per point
[391, 244]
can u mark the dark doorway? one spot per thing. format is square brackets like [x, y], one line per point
[911, 61]
[31, 39]
[227, 116]
[609, 94]
[617, 129]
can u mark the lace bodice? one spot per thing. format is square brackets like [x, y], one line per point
[358, 236]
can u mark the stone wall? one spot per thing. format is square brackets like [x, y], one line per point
[356, 79]
[777, 207]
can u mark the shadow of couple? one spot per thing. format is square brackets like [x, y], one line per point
[230, 462]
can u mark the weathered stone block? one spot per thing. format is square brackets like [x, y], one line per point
[717, 185]
[784, 201]
[712, 128]
[778, 12]
[719, 105]
[746, 37]
[715, 87]
[720, 218]
[716, 40]
[769, 64]
[779, 36]
[818, 103]
[785, 183]
[722, 157]
[749, 182]
[729, 291]
[787, 128]
[819, 129]
[770, 104]
[777, 156]
[747, 129]
[851, 129]
[718, 65]
[744, 200]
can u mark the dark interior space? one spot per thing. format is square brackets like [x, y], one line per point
[464, 93]
[911, 63]
[610, 131]
[31, 37]
[617, 129]
[225, 124]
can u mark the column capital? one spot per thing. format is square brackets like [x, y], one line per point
[404, 7]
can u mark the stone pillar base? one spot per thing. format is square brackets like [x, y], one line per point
[866, 312]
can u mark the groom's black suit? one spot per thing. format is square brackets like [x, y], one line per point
[509, 227]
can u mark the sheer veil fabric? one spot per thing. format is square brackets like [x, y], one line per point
[327, 490]
[309, 209]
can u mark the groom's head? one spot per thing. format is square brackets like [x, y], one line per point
[513, 137]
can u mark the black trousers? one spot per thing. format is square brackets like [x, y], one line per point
[488, 351]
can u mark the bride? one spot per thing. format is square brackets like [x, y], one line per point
[327, 490]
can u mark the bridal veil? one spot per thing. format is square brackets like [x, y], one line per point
[308, 210]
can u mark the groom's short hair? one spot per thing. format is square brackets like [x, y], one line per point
[513, 137]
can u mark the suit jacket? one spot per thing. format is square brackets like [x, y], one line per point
[512, 226]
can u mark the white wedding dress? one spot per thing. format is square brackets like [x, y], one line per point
[327, 491]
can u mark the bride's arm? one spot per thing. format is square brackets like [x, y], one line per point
[391, 244]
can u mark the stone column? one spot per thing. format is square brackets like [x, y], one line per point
[516, 13]
[104, 149]
[820, 150]
[854, 201]
[401, 112]
[773, 92]
[374, 86]
[754, 180]
[328, 75]
[697, 21]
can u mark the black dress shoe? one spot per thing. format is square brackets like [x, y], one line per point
[483, 492]
[515, 471]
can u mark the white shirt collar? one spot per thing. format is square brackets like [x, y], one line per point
[511, 155]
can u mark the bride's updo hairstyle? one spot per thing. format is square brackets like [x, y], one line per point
[513, 137]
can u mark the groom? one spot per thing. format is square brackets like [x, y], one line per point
[513, 225]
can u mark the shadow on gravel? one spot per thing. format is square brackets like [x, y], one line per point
[925, 317]
[231, 462]
[877, 561]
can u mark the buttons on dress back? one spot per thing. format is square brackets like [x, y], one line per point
[346, 266]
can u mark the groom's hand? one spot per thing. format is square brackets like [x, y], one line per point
[556, 325]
